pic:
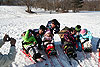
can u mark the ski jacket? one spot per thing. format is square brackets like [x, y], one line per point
[87, 36]
[56, 29]
[28, 39]
[69, 36]
[6, 60]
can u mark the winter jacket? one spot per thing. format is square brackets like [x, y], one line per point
[56, 29]
[69, 36]
[6, 60]
[35, 32]
[87, 37]
[28, 39]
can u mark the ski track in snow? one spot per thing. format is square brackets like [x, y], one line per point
[14, 20]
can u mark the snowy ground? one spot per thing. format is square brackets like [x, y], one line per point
[14, 20]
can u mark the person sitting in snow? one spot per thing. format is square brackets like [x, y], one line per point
[85, 38]
[77, 30]
[6, 60]
[53, 25]
[48, 43]
[29, 42]
[48, 37]
[70, 43]
[38, 34]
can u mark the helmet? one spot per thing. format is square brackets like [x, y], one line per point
[83, 32]
[78, 28]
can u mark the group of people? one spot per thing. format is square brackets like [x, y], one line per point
[72, 39]
[76, 39]
[34, 38]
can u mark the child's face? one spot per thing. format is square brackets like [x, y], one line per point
[40, 31]
[73, 32]
[30, 34]
[48, 35]
[52, 25]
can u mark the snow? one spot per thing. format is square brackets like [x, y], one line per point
[14, 20]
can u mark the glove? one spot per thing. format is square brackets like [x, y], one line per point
[12, 42]
[6, 38]
[82, 40]
[89, 41]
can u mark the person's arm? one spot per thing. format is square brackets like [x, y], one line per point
[90, 36]
[6, 60]
[26, 35]
[1, 42]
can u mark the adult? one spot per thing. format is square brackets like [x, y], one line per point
[6, 60]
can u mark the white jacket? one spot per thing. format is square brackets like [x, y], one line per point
[6, 60]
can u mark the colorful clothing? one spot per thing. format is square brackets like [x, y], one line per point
[28, 40]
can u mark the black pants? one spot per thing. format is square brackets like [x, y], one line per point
[39, 42]
[62, 40]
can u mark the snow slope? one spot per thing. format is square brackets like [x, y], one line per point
[14, 20]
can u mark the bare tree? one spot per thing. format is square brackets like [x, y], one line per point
[29, 4]
[76, 4]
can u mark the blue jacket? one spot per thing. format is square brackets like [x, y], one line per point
[86, 36]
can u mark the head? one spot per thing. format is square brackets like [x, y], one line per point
[48, 33]
[30, 34]
[42, 29]
[53, 25]
[73, 31]
[78, 28]
[83, 32]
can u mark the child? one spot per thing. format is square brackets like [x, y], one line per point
[29, 42]
[85, 38]
[69, 43]
[49, 43]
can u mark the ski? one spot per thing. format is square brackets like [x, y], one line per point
[69, 60]
[77, 62]
[50, 60]
[93, 57]
[59, 61]
[28, 56]
[86, 57]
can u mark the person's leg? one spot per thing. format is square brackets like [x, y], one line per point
[39, 42]
[62, 41]
[79, 46]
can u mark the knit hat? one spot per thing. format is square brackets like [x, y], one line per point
[83, 32]
[78, 28]
[43, 27]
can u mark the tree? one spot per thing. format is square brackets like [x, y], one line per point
[76, 4]
[28, 4]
